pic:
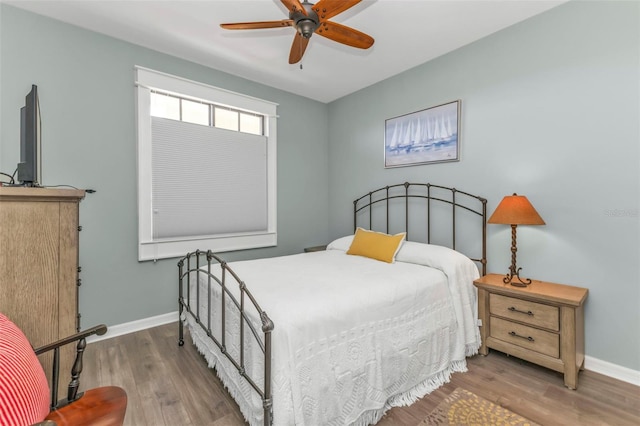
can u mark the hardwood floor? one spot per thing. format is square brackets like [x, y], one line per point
[171, 385]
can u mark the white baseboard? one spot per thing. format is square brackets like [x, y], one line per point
[612, 370]
[133, 326]
[592, 364]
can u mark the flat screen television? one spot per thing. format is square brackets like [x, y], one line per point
[30, 166]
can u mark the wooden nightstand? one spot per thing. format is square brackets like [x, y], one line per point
[542, 323]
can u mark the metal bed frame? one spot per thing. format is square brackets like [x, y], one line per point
[194, 264]
[431, 195]
[191, 264]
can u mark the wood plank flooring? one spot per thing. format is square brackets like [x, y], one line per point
[171, 385]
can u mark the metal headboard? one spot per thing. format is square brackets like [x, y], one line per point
[401, 194]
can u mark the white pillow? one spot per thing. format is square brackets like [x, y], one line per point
[342, 243]
[435, 256]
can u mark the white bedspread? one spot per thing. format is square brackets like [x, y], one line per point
[353, 336]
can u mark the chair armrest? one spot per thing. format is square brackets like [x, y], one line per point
[98, 329]
[74, 384]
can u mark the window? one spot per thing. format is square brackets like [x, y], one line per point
[194, 112]
[226, 119]
[206, 168]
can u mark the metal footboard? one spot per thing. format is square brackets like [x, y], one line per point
[198, 263]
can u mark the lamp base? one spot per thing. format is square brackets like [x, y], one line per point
[511, 276]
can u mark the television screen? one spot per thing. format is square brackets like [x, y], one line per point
[30, 166]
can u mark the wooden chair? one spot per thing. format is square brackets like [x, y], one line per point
[25, 398]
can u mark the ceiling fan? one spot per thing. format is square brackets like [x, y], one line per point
[308, 18]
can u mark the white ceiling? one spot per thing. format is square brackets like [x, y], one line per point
[406, 32]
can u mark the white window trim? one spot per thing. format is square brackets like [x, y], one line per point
[148, 249]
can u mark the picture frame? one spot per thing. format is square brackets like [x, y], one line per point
[431, 135]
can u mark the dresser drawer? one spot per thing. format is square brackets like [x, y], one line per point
[536, 314]
[530, 338]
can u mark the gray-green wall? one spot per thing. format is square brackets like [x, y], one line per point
[86, 86]
[550, 110]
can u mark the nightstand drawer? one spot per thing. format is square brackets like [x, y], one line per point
[531, 338]
[536, 314]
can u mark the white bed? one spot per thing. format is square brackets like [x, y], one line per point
[354, 336]
[331, 338]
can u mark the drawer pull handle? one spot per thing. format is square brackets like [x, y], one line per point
[513, 309]
[514, 334]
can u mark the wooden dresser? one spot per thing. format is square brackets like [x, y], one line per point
[542, 323]
[39, 265]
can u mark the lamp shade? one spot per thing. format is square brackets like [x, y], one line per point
[516, 210]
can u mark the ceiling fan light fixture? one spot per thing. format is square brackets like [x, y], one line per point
[306, 27]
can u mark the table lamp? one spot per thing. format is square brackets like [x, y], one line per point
[515, 210]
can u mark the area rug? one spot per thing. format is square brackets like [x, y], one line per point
[465, 408]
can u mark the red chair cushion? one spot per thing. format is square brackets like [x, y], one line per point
[24, 391]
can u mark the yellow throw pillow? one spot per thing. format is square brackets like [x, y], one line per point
[376, 245]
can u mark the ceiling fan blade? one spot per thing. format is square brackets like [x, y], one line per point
[327, 9]
[297, 48]
[345, 35]
[257, 25]
[294, 5]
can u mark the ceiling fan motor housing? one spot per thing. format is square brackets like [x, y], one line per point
[305, 24]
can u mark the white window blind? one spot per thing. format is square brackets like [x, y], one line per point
[227, 194]
[203, 187]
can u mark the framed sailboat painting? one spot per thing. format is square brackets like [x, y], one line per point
[423, 137]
